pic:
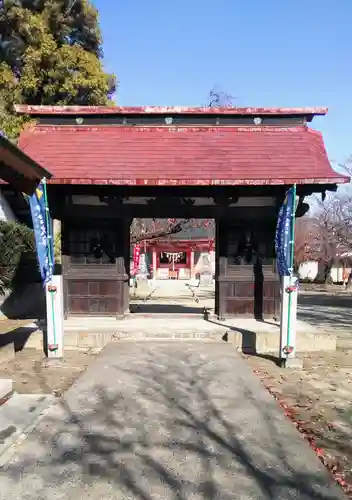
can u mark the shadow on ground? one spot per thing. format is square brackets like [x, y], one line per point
[161, 308]
[17, 336]
[160, 432]
[249, 340]
[26, 302]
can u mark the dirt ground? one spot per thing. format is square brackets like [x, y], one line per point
[33, 373]
[318, 400]
[6, 325]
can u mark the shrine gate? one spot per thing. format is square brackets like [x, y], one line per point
[113, 164]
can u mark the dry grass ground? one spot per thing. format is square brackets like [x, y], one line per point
[33, 373]
[318, 399]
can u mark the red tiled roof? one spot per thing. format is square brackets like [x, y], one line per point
[180, 155]
[19, 169]
[141, 110]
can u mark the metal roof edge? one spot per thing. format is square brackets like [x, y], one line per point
[142, 110]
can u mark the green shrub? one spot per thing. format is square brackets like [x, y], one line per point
[17, 255]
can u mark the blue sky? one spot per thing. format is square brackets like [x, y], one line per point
[264, 52]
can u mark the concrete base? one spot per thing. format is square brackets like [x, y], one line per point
[245, 335]
[266, 342]
[294, 363]
[6, 389]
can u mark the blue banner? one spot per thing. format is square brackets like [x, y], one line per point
[284, 232]
[42, 227]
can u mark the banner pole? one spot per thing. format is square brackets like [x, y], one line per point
[54, 290]
[292, 256]
[284, 244]
[47, 222]
[50, 256]
[38, 202]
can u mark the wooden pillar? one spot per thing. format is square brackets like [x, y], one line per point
[220, 265]
[124, 267]
[65, 265]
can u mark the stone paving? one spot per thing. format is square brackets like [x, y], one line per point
[185, 421]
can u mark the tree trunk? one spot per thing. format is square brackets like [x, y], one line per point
[323, 275]
[327, 275]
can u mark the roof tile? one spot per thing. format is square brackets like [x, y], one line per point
[186, 155]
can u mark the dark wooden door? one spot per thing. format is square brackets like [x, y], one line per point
[95, 267]
[247, 283]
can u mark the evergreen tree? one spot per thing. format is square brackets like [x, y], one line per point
[50, 53]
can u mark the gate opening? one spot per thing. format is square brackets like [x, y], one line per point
[172, 269]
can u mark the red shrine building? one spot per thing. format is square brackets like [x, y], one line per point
[234, 165]
[183, 255]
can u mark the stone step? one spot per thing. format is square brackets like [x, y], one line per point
[140, 321]
[250, 342]
[246, 335]
[144, 313]
[6, 389]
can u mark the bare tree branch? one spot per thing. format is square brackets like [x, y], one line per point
[326, 236]
[144, 234]
[219, 98]
[151, 229]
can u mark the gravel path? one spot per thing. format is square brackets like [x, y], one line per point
[166, 421]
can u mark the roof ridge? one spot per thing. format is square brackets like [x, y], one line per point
[110, 110]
